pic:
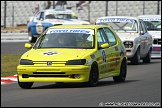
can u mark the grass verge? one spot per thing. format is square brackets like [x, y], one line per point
[9, 63]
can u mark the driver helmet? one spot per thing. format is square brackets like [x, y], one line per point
[74, 15]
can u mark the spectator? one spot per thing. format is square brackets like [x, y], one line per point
[36, 9]
[61, 4]
[47, 4]
[74, 16]
[80, 5]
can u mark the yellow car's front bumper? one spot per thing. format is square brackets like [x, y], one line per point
[53, 74]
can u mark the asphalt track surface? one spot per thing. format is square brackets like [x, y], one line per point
[141, 88]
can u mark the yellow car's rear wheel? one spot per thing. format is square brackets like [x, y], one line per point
[123, 72]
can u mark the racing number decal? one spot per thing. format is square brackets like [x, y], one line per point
[39, 28]
[103, 56]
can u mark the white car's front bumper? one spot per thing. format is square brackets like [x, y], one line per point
[156, 52]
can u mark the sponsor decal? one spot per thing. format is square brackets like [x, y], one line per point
[111, 69]
[117, 60]
[50, 53]
[116, 48]
[85, 31]
[92, 56]
[58, 12]
[103, 67]
[115, 20]
[114, 64]
[103, 53]
[151, 19]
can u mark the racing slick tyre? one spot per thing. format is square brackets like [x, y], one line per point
[25, 85]
[147, 59]
[30, 37]
[59, 82]
[93, 77]
[136, 58]
[123, 72]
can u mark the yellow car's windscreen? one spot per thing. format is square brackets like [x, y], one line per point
[67, 38]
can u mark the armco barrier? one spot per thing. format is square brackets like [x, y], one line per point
[6, 37]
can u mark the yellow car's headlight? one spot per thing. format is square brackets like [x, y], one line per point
[76, 62]
[26, 62]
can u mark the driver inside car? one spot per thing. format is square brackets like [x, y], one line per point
[67, 40]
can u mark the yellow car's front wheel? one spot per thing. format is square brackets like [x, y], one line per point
[25, 85]
[93, 77]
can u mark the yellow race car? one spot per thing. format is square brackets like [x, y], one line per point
[73, 53]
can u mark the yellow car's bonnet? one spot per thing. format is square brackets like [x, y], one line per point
[55, 54]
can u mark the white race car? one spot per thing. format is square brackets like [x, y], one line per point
[153, 23]
[133, 32]
[51, 17]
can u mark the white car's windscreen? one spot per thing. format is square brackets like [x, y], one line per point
[60, 16]
[119, 24]
[153, 24]
[67, 38]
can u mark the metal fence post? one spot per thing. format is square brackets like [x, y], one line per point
[89, 11]
[116, 8]
[158, 7]
[143, 7]
[38, 7]
[106, 8]
[53, 4]
[5, 5]
[12, 15]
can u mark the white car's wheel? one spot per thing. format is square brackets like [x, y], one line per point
[147, 59]
[136, 58]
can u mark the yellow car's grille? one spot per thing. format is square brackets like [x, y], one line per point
[45, 62]
[48, 72]
[45, 74]
[48, 75]
[49, 63]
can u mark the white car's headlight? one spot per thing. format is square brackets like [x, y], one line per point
[128, 44]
